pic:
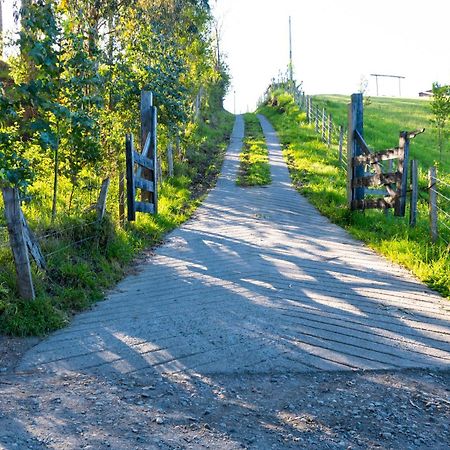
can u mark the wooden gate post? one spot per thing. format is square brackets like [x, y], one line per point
[146, 126]
[13, 215]
[433, 203]
[402, 183]
[131, 189]
[355, 123]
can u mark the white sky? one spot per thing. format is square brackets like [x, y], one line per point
[335, 43]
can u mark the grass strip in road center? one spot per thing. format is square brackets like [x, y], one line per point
[254, 169]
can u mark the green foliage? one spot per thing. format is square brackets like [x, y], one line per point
[440, 107]
[254, 167]
[67, 100]
[316, 174]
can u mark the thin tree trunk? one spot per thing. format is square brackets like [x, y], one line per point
[55, 182]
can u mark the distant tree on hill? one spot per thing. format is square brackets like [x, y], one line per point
[440, 107]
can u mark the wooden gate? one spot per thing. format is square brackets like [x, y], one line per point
[142, 167]
[367, 170]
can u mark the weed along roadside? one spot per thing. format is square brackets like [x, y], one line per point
[254, 169]
[318, 172]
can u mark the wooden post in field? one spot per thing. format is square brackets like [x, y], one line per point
[170, 159]
[414, 193]
[121, 199]
[324, 124]
[13, 215]
[308, 113]
[317, 119]
[341, 141]
[432, 187]
[402, 184]
[330, 128]
[101, 202]
[355, 123]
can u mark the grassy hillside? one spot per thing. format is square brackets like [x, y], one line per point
[384, 118]
[316, 174]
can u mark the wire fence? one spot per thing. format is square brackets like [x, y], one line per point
[335, 135]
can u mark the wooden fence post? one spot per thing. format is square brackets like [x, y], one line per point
[101, 202]
[341, 141]
[324, 123]
[402, 184]
[131, 190]
[330, 128]
[170, 159]
[316, 113]
[13, 215]
[433, 203]
[414, 194]
[146, 128]
[355, 123]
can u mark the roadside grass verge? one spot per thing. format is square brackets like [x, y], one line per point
[86, 257]
[316, 174]
[254, 169]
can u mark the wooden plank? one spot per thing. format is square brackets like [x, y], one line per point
[414, 193]
[330, 129]
[145, 185]
[377, 179]
[432, 204]
[18, 243]
[143, 207]
[382, 192]
[373, 203]
[362, 143]
[101, 202]
[32, 244]
[375, 158]
[131, 191]
[143, 161]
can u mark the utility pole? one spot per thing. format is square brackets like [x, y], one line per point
[291, 70]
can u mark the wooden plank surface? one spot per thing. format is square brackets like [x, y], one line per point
[145, 207]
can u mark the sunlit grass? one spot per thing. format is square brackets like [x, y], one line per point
[315, 172]
[254, 169]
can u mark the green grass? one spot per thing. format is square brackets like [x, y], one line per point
[78, 275]
[254, 169]
[316, 174]
[384, 118]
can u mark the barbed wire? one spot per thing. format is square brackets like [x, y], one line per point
[440, 181]
[445, 213]
[70, 245]
[65, 230]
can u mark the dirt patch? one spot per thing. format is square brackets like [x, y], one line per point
[392, 410]
[12, 349]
